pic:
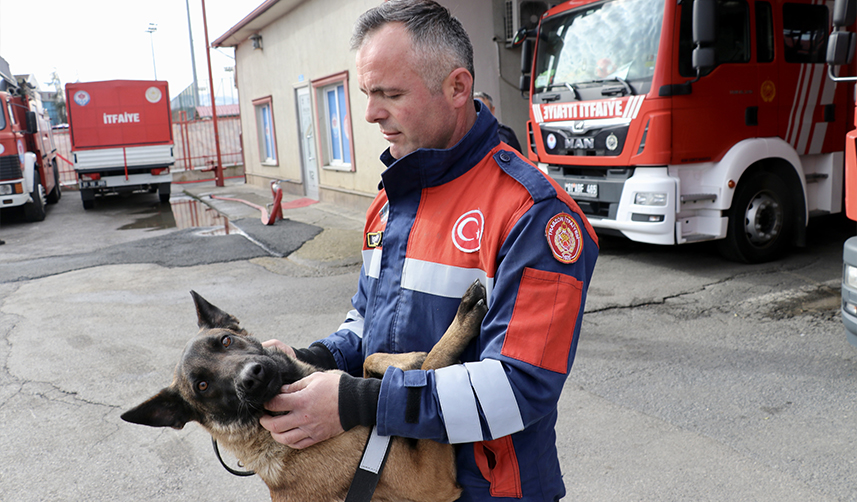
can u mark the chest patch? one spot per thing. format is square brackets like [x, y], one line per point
[564, 239]
[467, 231]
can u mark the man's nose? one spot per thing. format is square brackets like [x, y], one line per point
[374, 111]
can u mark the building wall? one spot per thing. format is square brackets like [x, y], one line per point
[312, 42]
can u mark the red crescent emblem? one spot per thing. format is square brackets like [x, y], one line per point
[467, 231]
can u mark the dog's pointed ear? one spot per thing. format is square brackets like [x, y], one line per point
[210, 317]
[165, 409]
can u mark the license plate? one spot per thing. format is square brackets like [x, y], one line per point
[582, 189]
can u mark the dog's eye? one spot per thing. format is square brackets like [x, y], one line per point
[226, 341]
[202, 386]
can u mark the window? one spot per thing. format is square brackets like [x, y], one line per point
[334, 119]
[265, 131]
[733, 35]
[805, 33]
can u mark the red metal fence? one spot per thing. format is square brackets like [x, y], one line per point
[194, 146]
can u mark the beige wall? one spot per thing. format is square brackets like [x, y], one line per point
[312, 42]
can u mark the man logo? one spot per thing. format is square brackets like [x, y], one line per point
[467, 231]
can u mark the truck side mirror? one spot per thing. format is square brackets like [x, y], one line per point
[704, 34]
[527, 48]
[32, 123]
[844, 13]
[840, 48]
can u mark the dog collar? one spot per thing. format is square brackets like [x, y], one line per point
[231, 470]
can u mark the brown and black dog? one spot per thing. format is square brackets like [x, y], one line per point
[225, 376]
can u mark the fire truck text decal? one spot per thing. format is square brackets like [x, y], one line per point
[121, 118]
[589, 110]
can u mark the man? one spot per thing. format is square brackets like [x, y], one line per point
[507, 135]
[454, 206]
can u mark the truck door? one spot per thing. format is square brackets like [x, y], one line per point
[723, 106]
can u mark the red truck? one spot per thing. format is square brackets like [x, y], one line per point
[121, 137]
[29, 177]
[699, 120]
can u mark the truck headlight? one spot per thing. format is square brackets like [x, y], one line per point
[849, 276]
[650, 199]
[5, 189]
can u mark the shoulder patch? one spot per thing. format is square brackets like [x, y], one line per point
[564, 239]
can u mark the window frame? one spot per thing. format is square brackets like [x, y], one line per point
[261, 136]
[324, 140]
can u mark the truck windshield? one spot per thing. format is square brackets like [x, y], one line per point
[605, 43]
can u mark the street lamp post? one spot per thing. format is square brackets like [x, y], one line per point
[152, 29]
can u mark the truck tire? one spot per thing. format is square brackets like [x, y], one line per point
[761, 220]
[164, 193]
[88, 198]
[56, 193]
[35, 210]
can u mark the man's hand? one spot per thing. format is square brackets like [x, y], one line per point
[282, 347]
[313, 406]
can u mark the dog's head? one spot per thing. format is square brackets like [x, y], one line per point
[223, 379]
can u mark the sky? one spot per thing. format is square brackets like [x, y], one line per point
[91, 40]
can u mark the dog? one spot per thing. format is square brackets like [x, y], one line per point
[225, 376]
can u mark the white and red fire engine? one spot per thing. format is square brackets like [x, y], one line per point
[29, 176]
[669, 130]
[121, 137]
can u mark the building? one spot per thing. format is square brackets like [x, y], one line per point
[301, 109]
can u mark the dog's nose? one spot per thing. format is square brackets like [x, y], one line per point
[252, 376]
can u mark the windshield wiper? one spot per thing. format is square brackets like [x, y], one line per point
[571, 87]
[625, 84]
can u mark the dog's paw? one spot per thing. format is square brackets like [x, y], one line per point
[473, 305]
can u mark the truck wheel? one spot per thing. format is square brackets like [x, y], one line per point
[761, 220]
[88, 198]
[35, 210]
[56, 193]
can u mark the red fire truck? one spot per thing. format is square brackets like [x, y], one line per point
[678, 122]
[121, 137]
[29, 177]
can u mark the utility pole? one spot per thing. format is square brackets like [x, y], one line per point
[192, 60]
[218, 169]
[152, 29]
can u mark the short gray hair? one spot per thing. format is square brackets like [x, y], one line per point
[437, 36]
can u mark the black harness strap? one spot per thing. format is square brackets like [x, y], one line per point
[367, 475]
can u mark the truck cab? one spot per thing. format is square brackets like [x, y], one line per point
[29, 175]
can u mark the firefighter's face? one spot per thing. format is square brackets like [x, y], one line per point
[409, 114]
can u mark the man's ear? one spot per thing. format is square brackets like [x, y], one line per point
[165, 409]
[210, 317]
[460, 87]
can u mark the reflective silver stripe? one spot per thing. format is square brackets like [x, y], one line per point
[442, 280]
[458, 404]
[373, 455]
[372, 262]
[495, 397]
[354, 322]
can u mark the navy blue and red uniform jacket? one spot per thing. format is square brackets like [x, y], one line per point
[443, 219]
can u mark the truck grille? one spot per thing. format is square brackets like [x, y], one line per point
[10, 167]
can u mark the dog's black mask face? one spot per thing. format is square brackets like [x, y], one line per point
[223, 379]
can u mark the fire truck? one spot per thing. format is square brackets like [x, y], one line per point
[841, 52]
[121, 137]
[29, 176]
[697, 120]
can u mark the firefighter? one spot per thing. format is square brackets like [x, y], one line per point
[454, 205]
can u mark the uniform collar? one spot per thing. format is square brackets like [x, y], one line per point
[428, 167]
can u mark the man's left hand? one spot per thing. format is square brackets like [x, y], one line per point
[313, 406]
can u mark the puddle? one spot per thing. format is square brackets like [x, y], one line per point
[182, 213]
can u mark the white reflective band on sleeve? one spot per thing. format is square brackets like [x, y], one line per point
[374, 453]
[372, 262]
[353, 322]
[458, 405]
[496, 397]
[443, 280]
